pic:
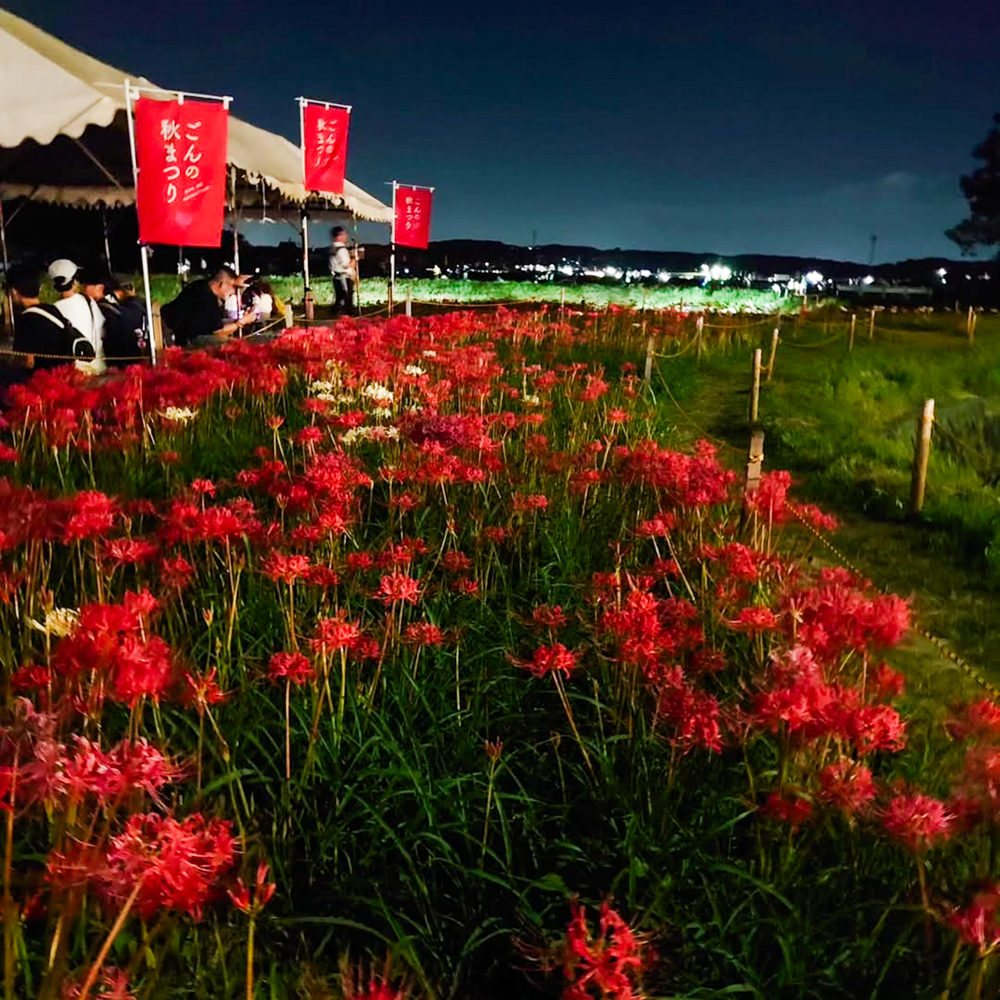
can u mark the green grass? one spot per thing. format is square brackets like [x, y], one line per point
[844, 423]
[373, 293]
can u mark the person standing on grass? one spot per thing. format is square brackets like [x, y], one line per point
[80, 310]
[42, 334]
[342, 272]
[196, 318]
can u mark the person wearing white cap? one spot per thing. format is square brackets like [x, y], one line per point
[80, 310]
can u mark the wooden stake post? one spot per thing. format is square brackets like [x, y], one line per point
[409, 301]
[650, 346]
[755, 459]
[289, 320]
[699, 327]
[871, 325]
[854, 323]
[774, 350]
[921, 456]
[755, 388]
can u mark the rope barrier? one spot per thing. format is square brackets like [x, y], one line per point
[821, 343]
[954, 437]
[697, 427]
[939, 644]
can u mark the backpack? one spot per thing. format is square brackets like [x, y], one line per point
[126, 334]
[81, 349]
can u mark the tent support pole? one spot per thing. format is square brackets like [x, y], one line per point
[107, 245]
[8, 298]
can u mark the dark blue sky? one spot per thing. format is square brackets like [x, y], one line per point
[797, 127]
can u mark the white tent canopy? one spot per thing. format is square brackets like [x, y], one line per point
[63, 133]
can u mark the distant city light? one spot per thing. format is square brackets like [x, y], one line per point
[814, 278]
[867, 280]
[716, 272]
[941, 272]
[566, 269]
[663, 276]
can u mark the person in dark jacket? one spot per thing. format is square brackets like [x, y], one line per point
[126, 328]
[195, 318]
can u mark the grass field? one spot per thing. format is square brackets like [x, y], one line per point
[444, 659]
[373, 293]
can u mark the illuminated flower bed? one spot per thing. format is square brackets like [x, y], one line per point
[412, 650]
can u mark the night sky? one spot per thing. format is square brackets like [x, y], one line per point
[725, 127]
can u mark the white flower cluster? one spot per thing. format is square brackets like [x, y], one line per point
[58, 622]
[430, 354]
[378, 394]
[532, 400]
[179, 414]
[415, 370]
[320, 386]
[370, 434]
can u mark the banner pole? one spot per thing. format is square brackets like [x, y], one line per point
[392, 251]
[236, 223]
[307, 295]
[143, 252]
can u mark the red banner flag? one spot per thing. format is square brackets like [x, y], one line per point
[413, 216]
[324, 140]
[181, 153]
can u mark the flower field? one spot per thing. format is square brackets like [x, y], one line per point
[410, 659]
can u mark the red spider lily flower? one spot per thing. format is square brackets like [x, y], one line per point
[551, 659]
[659, 526]
[495, 534]
[204, 486]
[788, 808]
[977, 923]
[526, 503]
[169, 457]
[113, 984]
[847, 786]
[454, 561]
[263, 891]
[618, 416]
[358, 562]
[8, 454]
[549, 616]
[309, 435]
[978, 789]
[754, 620]
[917, 821]
[693, 715]
[816, 518]
[202, 690]
[90, 513]
[335, 633]
[874, 728]
[284, 568]
[275, 421]
[129, 551]
[398, 587]
[423, 634]
[465, 585]
[979, 720]
[609, 962]
[176, 573]
[179, 863]
[293, 667]
[889, 683]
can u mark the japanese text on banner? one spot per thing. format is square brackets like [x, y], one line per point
[324, 137]
[181, 154]
[413, 216]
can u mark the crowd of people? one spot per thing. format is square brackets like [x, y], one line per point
[99, 321]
